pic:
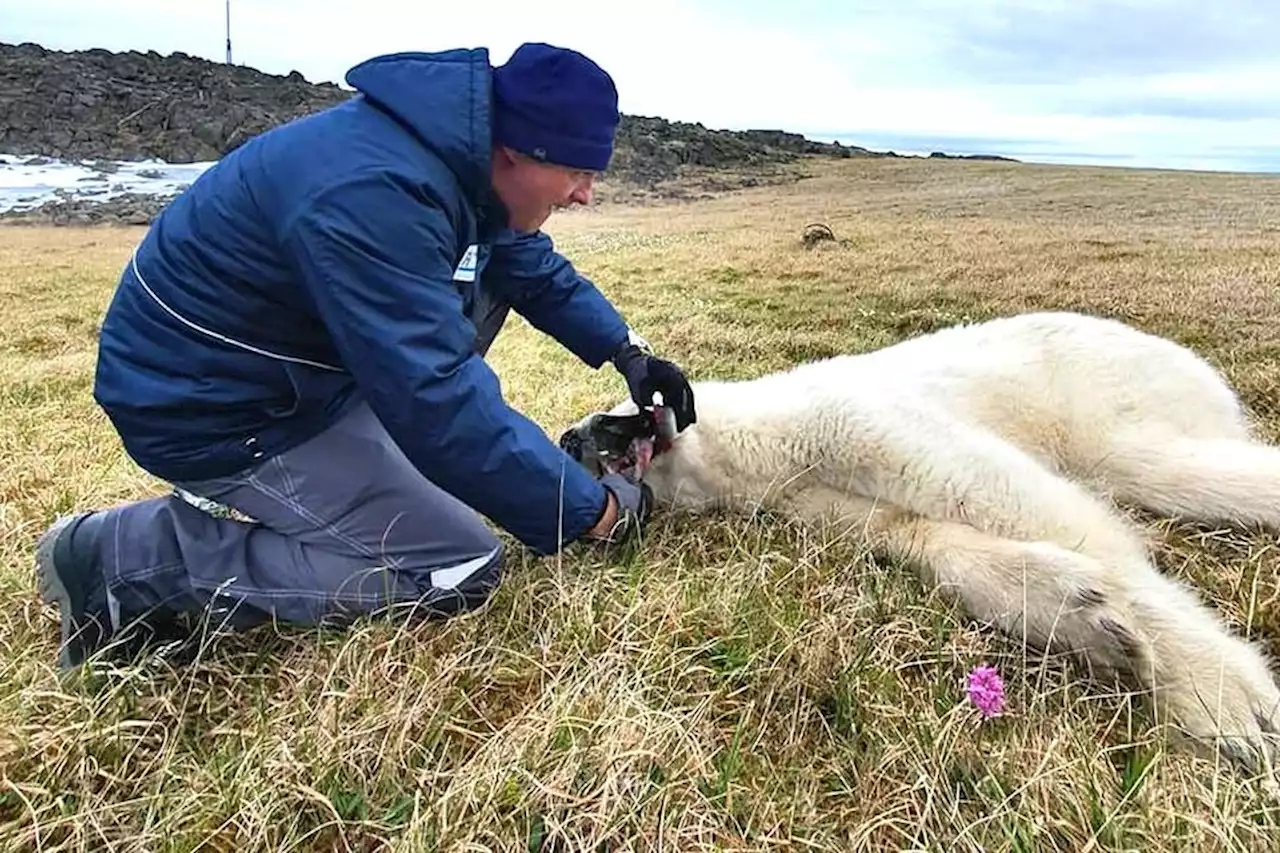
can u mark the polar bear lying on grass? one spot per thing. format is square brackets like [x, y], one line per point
[989, 456]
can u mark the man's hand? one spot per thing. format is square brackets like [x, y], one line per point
[626, 510]
[646, 373]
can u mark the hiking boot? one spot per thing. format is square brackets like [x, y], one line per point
[69, 574]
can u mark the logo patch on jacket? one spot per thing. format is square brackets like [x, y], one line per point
[466, 270]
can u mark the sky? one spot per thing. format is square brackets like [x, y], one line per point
[1184, 84]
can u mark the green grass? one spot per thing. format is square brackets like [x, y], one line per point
[738, 684]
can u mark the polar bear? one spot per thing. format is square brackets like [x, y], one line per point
[996, 457]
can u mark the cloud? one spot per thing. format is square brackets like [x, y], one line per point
[1243, 92]
[1060, 41]
[1000, 42]
[1125, 78]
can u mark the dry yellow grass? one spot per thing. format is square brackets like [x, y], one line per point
[743, 685]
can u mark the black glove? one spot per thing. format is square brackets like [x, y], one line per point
[646, 373]
[635, 503]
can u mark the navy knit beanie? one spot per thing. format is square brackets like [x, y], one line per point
[555, 105]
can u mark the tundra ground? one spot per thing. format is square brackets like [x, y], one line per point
[736, 684]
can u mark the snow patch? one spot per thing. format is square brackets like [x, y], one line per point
[27, 181]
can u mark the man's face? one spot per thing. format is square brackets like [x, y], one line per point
[531, 189]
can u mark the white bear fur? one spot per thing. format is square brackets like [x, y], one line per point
[989, 455]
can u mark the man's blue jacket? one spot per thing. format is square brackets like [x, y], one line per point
[337, 258]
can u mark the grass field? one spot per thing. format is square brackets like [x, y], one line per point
[739, 685]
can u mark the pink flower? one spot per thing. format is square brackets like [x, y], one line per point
[986, 690]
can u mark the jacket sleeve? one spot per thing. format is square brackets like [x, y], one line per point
[539, 283]
[376, 255]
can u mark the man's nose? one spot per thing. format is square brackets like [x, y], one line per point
[582, 192]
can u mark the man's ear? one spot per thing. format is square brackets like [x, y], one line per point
[503, 156]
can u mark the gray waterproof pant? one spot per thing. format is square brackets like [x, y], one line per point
[342, 526]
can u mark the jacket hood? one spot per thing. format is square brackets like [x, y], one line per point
[444, 98]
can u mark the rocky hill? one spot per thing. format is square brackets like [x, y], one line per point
[99, 104]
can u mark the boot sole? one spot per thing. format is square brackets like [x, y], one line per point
[52, 590]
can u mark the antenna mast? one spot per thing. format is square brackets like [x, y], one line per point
[228, 32]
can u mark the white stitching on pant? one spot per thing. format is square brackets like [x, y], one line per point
[290, 489]
[302, 511]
